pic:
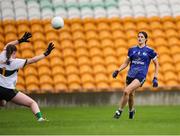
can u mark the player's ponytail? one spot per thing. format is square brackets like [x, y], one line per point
[9, 50]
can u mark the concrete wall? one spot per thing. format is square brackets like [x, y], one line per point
[106, 98]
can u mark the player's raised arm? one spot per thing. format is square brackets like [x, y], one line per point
[123, 66]
[42, 56]
[24, 38]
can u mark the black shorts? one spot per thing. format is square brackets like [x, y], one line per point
[130, 79]
[7, 94]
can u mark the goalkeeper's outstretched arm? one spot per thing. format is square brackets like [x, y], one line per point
[42, 56]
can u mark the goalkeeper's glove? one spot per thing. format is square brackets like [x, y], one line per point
[155, 82]
[25, 37]
[49, 49]
[115, 73]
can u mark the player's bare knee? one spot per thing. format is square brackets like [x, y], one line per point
[131, 94]
[32, 102]
[126, 93]
[2, 103]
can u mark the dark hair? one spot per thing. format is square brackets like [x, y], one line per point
[9, 50]
[145, 34]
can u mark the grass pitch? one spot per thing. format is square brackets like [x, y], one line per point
[92, 120]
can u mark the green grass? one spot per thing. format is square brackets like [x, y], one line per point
[92, 120]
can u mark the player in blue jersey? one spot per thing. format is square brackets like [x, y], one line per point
[139, 58]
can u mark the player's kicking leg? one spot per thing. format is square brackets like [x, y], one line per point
[125, 98]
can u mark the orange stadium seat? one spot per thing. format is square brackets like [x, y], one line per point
[81, 52]
[85, 69]
[76, 27]
[115, 26]
[38, 36]
[175, 49]
[66, 44]
[56, 61]
[104, 35]
[30, 71]
[8, 22]
[60, 87]
[107, 43]
[155, 25]
[2, 39]
[101, 26]
[167, 67]
[160, 42]
[171, 33]
[78, 35]
[22, 28]
[80, 43]
[33, 88]
[163, 50]
[91, 35]
[68, 52]
[120, 43]
[101, 81]
[84, 60]
[89, 27]
[39, 45]
[70, 61]
[131, 34]
[27, 53]
[65, 28]
[56, 53]
[74, 82]
[165, 58]
[97, 60]
[10, 37]
[43, 70]
[118, 34]
[93, 43]
[31, 79]
[109, 51]
[71, 69]
[44, 62]
[141, 26]
[46, 88]
[99, 68]
[176, 58]
[129, 26]
[51, 36]
[169, 25]
[48, 28]
[45, 79]
[110, 60]
[57, 70]
[36, 28]
[87, 78]
[132, 42]
[10, 29]
[65, 36]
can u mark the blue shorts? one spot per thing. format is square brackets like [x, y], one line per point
[130, 79]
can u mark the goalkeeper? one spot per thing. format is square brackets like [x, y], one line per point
[9, 66]
[139, 58]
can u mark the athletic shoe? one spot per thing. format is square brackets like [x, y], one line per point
[131, 114]
[117, 114]
[42, 120]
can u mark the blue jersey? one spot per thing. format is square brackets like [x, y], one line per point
[139, 61]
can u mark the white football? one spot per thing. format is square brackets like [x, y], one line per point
[57, 22]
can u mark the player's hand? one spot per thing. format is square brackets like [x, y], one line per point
[155, 82]
[25, 37]
[49, 49]
[115, 73]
